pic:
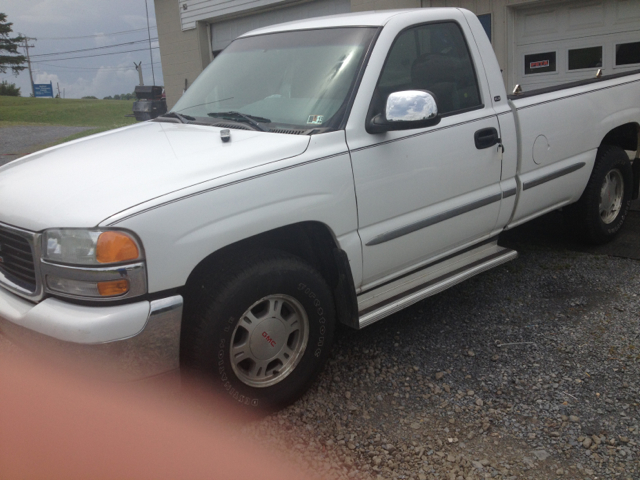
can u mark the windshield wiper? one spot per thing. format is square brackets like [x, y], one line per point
[179, 116]
[242, 117]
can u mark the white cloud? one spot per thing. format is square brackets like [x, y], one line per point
[104, 82]
[80, 13]
[93, 75]
[137, 21]
[110, 82]
[411, 105]
[103, 39]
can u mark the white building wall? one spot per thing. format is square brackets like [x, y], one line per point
[210, 25]
[522, 27]
[569, 28]
[223, 33]
[193, 11]
[183, 54]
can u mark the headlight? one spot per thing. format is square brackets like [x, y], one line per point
[89, 247]
[93, 264]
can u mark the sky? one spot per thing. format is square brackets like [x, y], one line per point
[57, 24]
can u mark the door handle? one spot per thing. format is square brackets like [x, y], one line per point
[485, 138]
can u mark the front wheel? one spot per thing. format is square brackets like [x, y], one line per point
[260, 328]
[600, 213]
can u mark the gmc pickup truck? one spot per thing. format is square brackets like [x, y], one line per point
[330, 170]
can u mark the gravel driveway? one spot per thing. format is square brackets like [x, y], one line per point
[18, 141]
[531, 370]
[528, 371]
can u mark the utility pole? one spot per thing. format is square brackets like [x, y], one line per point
[26, 47]
[58, 85]
[150, 54]
[139, 69]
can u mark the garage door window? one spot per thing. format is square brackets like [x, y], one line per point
[485, 20]
[585, 58]
[539, 63]
[628, 53]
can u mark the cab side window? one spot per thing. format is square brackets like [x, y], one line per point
[431, 57]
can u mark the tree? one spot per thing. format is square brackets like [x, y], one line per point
[122, 96]
[9, 56]
[9, 89]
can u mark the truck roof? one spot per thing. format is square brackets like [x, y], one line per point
[357, 19]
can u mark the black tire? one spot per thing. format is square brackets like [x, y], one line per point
[598, 216]
[245, 292]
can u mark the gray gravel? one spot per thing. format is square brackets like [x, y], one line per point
[528, 371]
[531, 370]
[18, 141]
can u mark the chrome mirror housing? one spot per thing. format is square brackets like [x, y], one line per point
[411, 106]
[406, 110]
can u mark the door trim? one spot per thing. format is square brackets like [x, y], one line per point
[552, 176]
[429, 221]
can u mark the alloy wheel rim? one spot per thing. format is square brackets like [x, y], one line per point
[611, 194]
[269, 340]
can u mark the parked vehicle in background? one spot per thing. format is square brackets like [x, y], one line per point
[151, 102]
[329, 170]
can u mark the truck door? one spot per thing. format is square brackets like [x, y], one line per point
[424, 193]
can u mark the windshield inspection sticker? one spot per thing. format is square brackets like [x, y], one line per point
[315, 119]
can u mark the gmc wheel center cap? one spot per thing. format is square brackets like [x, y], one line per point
[268, 338]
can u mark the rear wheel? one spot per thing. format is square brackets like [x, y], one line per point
[600, 213]
[259, 328]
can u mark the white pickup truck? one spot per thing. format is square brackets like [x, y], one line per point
[328, 170]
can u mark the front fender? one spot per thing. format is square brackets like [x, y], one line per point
[316, 186]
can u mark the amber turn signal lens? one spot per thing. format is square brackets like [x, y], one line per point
[115, 247]
[114, 287]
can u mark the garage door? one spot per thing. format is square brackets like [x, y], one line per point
[564, 42]
[223, 33]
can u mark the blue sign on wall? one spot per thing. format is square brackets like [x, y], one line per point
[43, 90]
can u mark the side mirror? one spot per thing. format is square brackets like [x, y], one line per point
[406, 110]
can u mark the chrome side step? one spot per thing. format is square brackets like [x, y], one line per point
[394, 296]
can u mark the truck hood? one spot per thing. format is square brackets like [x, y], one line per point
[81, 183]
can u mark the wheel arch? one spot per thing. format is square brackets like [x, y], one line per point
[312, 241]
[624, 136]
[627, 137]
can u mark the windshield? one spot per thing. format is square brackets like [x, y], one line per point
[288, 80]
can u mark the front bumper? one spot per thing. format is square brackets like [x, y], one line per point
[130, 342]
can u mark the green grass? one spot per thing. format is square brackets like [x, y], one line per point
[101, 114]
[68, 112]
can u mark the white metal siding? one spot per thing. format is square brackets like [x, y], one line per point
[222, 33]
[558, 28]
[192, 11]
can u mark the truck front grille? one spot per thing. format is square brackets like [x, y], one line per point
[16, 260]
